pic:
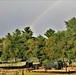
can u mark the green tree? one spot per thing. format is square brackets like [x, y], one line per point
[27, 32]
[49, 33]
[70, 36]
[41, 47]
[1, 47]
[6, 52]
[71, 24]
[33, 47]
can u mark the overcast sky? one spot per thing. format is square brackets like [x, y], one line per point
[40, 15]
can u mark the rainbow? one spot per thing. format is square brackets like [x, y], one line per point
[36, 20]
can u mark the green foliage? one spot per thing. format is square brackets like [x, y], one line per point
[49, 33]
[22, 45]
[71, 24]
[45, 62]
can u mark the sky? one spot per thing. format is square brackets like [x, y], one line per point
[39, 15]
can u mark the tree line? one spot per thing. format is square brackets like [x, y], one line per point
[56, 45]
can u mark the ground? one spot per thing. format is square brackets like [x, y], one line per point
[35, 72]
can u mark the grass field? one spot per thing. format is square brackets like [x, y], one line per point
[38, 74]
[46, 74]
[32, 73]
[13, 72]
